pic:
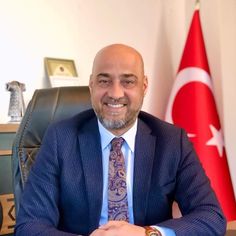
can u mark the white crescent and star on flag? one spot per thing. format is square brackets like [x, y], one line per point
[196, 75]
[216, 140]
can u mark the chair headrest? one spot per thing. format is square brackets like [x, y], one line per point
[49, 105]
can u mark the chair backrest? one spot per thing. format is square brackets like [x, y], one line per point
[46, 106]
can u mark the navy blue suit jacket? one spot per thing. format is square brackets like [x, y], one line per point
[63, 194]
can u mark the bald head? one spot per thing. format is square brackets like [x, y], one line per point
[118, 53]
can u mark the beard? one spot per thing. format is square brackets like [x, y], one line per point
[113, 124]
[118, 123]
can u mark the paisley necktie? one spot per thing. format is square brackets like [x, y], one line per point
[117, 189]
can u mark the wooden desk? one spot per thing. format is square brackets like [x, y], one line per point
[231, 228]
[232, 225]
[9, 127]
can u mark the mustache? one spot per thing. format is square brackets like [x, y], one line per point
[111, 100]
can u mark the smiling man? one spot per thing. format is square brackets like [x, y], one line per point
[115, 170]
[118, 86]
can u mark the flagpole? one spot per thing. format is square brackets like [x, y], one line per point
[197, 5]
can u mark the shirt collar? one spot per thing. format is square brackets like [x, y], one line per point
[107, 136]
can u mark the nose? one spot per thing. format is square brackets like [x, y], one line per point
[116, 90]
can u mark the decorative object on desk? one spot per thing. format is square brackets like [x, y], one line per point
[61, 72]
[16, 106]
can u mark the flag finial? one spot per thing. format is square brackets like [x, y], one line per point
[197, 5]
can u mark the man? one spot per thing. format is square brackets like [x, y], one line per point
[67, 189]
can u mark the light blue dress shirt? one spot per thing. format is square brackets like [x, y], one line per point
[128, 151]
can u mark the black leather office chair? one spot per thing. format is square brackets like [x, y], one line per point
[45, 107]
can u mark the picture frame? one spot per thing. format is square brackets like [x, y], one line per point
[58, 67]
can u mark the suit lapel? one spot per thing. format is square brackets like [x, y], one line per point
[143, 161]
[91, 156]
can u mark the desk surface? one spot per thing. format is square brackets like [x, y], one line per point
[231, 225]
[231, 228]
[230, 233]
[9, 127]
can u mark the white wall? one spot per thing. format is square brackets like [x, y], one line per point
[33, 29]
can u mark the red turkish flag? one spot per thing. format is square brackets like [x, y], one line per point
[192, 106]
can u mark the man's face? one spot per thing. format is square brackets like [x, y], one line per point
[117, 87]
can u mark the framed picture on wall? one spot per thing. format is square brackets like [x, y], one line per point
[60, 67]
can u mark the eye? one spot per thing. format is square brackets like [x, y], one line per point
[128, 82]
[104, 82]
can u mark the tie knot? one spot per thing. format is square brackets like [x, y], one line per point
[116, 143]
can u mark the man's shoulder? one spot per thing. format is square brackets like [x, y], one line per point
[157, 125]
[75, 122]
